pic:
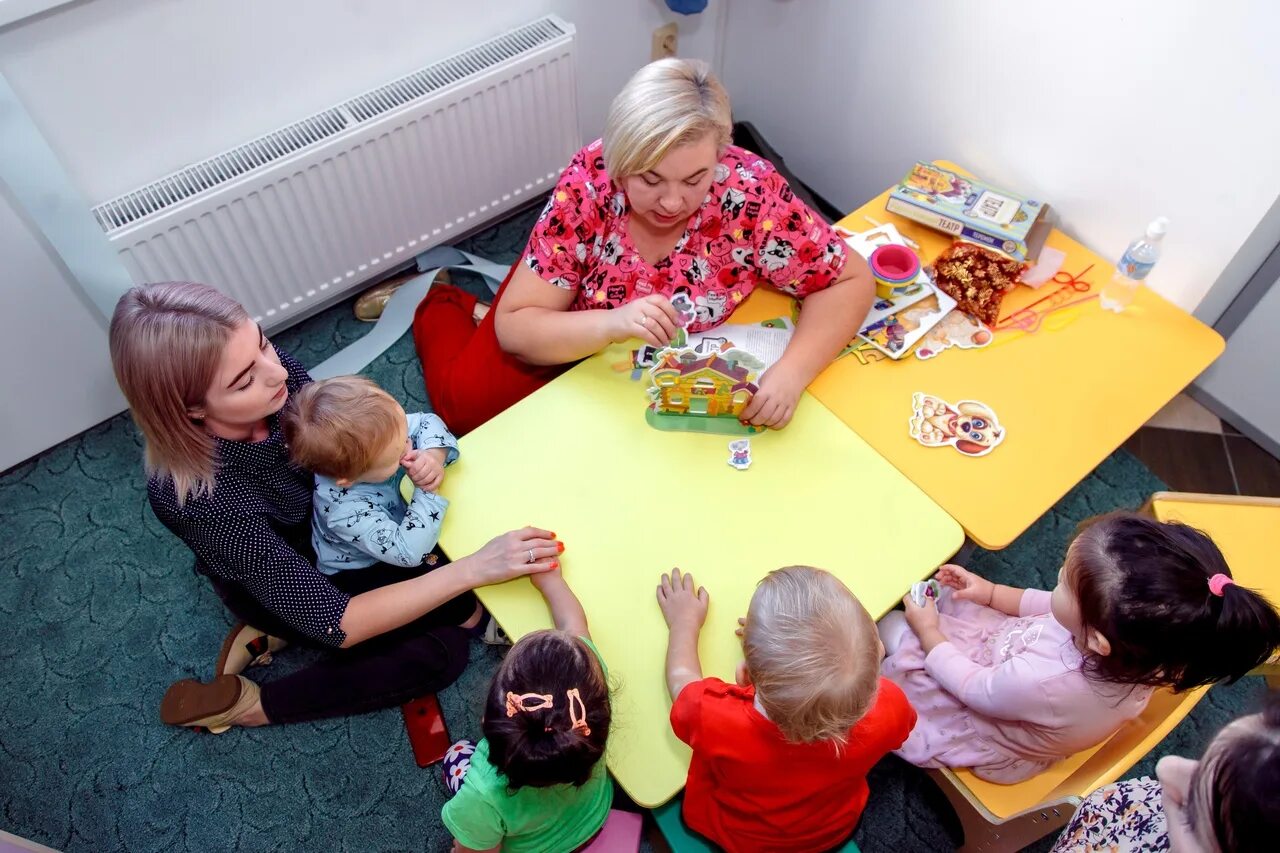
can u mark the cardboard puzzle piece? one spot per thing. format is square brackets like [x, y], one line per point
[740, 453]
[922, 591]
[957, 329]
[969, 426]
[897, 333]
[684, 308]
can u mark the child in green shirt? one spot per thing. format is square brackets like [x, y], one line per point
[536, 782]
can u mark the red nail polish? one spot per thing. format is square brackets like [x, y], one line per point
[555, 564]
[560, 547]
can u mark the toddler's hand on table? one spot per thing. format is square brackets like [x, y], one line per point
[425, 467]
[967, 585]
[683, 603]
[921, 618]
[543, 580]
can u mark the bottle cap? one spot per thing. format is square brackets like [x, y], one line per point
[1158, 227]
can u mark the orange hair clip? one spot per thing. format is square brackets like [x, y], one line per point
[526, 702]
[578, 713]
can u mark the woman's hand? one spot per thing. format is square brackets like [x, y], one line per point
[652, 319]
[526, 551]
[968, 586]
[425, 467]
[775, 403]
[683, 604]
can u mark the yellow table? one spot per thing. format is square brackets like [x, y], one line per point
[630, 502]
[1068, 394]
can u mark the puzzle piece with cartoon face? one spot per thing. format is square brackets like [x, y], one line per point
[684, 308]
[969, 426]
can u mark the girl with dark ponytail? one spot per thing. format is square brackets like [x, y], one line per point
[1162, 594]
[537, 780]
[1007, 681]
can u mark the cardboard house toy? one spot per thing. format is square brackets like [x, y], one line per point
[702, 392]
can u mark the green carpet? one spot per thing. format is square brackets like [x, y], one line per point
[103, 611]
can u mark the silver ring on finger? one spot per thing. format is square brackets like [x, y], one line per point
[530, 560]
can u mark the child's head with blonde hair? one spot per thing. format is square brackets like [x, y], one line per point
[346, 428]
[812, 652]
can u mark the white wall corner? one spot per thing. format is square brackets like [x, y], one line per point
[1256, 248]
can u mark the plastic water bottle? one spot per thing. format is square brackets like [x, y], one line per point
[1136, 264]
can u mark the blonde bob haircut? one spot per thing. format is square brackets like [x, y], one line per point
[166, 343]
[666, 103]
[339, 427]
[813, 654]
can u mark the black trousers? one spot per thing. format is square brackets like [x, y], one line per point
[413, 660]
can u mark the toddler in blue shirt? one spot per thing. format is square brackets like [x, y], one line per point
[356, 437]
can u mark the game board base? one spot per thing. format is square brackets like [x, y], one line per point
[719, 424]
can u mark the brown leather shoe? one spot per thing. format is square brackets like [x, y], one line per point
[211, 707]
[370, 304]
[246, 646]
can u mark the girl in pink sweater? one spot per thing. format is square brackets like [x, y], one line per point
[1007, 681]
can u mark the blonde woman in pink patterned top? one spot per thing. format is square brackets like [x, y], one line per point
[661, 206]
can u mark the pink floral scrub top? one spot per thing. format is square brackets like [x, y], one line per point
[750, 227]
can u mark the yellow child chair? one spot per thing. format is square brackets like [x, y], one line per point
[1008, 817]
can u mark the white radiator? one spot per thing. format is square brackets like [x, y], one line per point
[308, 212]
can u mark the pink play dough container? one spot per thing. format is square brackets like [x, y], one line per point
[895, 268]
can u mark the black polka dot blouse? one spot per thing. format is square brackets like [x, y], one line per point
[254, 529]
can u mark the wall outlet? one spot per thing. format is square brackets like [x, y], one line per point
[664, 41]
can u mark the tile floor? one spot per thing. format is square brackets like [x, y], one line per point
[1192, 450]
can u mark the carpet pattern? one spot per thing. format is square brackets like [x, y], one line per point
[103, 611]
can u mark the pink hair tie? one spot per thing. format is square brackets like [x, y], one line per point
[1219, 582]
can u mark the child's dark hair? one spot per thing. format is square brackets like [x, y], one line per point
[1239, 796]
[541, 746]
[1144, 585]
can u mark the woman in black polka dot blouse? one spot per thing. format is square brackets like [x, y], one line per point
[205, 386]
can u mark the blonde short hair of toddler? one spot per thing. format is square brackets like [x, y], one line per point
[339, 427]
[812, 652]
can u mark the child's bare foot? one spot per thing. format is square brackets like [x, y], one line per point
[478, 313]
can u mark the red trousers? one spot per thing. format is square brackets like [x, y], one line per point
[469, 378]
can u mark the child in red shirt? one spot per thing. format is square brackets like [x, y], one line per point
[780, 759]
